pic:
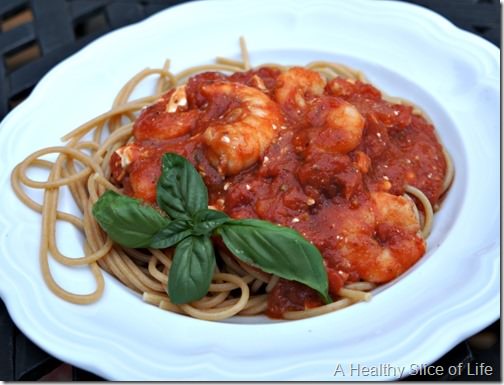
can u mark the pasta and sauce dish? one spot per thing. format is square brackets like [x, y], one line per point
[285, 191]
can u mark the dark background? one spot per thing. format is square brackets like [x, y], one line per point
[35, 35]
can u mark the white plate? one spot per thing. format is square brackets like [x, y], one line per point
[405, 50]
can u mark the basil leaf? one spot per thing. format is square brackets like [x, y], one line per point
[192, 270]
[207, 220]
[277, 250]
[128, 221]
[180, 189]
[172, 234]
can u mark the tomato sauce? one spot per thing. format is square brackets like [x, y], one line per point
[324, 195]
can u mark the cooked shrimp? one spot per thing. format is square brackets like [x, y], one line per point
[166, 119]
[295, 86]
[382, 239]
[137, 166]
[343, 125]
[396, 211]
[142, 170]
[338, 124]
[239, 137]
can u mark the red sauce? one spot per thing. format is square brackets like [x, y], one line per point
[290, 295]
[317, 193]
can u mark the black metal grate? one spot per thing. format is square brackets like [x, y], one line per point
[35, 35]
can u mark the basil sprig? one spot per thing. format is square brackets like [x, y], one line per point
[192, 269]
[277, 250]
[127, 221]
[188, 224]
[180, 189]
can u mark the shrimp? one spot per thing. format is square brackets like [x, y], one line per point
[295, 86]
[242, 133]
[141, 168]
[342, 124]
[166, 119]
[339, 124]
[382, 238]
[137, 166]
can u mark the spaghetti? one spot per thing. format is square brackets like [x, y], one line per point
[83, 166]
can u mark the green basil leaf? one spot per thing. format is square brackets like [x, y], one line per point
[128, 221]
[192, 270]
[277, 250]
[172, 234]
[207, 220]
[180, 189]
